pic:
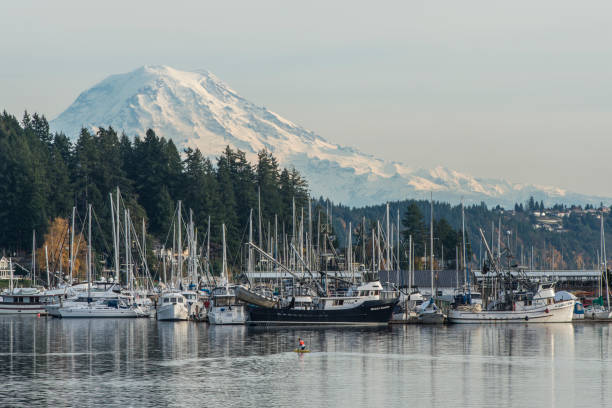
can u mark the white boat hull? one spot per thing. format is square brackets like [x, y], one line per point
[431, 318]
[602, 315]
[97, 312]
[172, 311]
[561, 312]
[227, 315]
[22, 309]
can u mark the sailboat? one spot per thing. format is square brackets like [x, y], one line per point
[118, 306]
[173, 305]
[429, 312]
[604, 313]
[225, 307]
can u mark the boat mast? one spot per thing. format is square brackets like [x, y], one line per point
[118, 237]
[398, 247]
[33, 258]
[180, 244]
[387, 242]
[89, 254]
[72, 246]
[224, 271]
[172, 264]
[250, 260]
[605, 262]
[431, 245]
[11, 275]
[114, 233]
[349, 254]
[409, 264]
[47, 267]
[457, 267]
[208, 248]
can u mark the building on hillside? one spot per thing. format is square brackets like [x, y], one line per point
[5, 269]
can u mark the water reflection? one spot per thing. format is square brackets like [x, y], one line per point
[144, 362]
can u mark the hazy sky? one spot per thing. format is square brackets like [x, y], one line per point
[517, 89]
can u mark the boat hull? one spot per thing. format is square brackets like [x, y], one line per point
[431, 318]
[176, 311]
[22, 309]
[253, 298]
[561, 312]
[93, 312]
[369, 312]
[227, 315]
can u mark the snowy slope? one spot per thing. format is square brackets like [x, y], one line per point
[197, 109]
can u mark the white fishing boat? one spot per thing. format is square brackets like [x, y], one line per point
[225, 307]
[172, 306]
[525, 307]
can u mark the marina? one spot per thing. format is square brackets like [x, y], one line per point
[61, 362]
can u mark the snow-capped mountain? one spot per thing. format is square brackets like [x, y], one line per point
[197, 109]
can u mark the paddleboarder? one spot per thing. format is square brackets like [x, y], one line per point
[302, 345]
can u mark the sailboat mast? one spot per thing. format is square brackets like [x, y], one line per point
[89, 252]
[464, 264]
[388, 241]
[118, 237]
[250, 260]
[72, 246]
[33, 258]
[431, 246]
[398, 245]
[409, 264]
[605, 262]
[208, 247]
[180, 243]
[349, 254]
[47, 266]
[224, 272]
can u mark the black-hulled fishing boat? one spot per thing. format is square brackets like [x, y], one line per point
[369, 306]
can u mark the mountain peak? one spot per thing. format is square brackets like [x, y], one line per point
[197, 109]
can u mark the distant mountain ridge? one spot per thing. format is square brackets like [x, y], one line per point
[197, 109]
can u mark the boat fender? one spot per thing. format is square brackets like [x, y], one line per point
[526, 318]
[547, 311]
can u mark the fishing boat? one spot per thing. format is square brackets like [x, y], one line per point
[514, 298]
[225, 307]
[172, 306]
[525, 306]
[368, 305]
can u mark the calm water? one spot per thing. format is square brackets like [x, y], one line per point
[141, 362]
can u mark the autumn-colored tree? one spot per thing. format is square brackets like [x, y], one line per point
[57, 241]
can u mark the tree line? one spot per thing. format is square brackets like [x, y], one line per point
[44, 174]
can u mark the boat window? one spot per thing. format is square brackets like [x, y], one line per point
[8, 300]
[180, 300]
[166, 300]
[173, 300]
